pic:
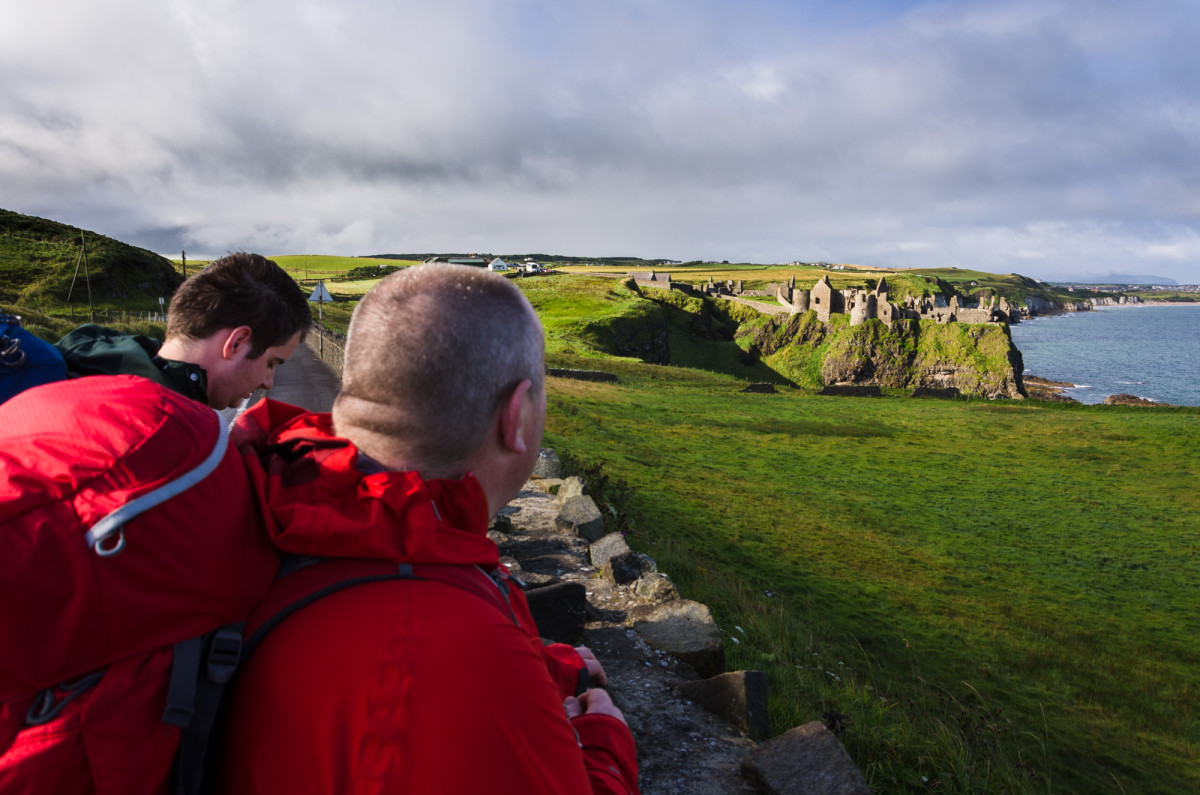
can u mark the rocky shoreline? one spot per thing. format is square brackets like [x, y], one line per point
[1038, 388]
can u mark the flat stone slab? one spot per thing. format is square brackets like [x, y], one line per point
[684, 629]
[806, 760]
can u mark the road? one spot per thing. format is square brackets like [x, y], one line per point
[304, 380]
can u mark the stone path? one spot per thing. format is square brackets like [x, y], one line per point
[304, 380]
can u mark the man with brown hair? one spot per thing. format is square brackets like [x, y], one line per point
[228, 327]
[414, 684]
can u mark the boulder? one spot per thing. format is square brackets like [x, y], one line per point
[560, 611]
[1131, 400]
[682, 628]
[571, 487]
[851, 390]
[623, 569]
[548, 465]
[808, 759]
[943, 393]
[738, 697]
[579, 515]
[655, 588]
[607, 548]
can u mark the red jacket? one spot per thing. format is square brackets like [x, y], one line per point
[398, 686]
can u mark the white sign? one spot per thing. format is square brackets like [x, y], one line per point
[321, 294]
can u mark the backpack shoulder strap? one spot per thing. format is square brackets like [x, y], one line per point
[207, 664]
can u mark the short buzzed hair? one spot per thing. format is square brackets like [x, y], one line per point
[432, 353]
[240, 290]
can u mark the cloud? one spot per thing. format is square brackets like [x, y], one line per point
[1014, 135]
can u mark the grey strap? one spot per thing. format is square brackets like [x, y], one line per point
[114, 521]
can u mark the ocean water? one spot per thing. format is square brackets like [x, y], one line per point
[1149, 351]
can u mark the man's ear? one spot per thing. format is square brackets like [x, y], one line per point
[236, 340]
[513, 418]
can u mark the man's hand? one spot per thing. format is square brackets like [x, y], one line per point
[593, 702]
[595, 670]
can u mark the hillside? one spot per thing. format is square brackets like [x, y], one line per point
[38, 260]
[586, 317]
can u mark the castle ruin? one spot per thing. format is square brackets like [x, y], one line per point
[863, 305]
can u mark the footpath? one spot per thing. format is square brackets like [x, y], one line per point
[699, 730]
[304, 381]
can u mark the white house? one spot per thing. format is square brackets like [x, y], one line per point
[497, 265]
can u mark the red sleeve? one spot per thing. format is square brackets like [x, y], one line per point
[609, 754]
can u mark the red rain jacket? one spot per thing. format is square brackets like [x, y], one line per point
[399, 686]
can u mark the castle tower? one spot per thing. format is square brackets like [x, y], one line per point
[822, 299]
[800, 301]
[858, 305]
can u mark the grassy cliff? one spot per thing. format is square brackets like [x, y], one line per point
[39, 258]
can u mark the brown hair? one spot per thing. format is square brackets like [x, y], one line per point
[240, 290]
[431, 354]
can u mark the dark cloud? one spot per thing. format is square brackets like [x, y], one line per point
[1021, 136]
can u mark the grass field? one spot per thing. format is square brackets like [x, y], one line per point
[984, 596]
[999, 597]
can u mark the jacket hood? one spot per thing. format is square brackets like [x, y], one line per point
[318, 502]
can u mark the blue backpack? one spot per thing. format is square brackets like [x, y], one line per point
[25, 360]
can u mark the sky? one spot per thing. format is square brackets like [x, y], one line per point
[1058, 139]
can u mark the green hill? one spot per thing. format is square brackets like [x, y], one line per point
[38, 260]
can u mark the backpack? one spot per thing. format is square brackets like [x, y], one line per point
[25, 360]
[135, 564]
[128, 526]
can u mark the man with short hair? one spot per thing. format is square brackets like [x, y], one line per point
[228, 327]
[414, 685]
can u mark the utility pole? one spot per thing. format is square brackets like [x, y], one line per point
[185, 264]
[87, 277]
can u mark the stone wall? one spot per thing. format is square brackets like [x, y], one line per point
[330, 347]
[700, 729]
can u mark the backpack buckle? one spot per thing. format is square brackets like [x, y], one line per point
[224, 654]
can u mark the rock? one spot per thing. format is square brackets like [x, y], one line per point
[545, 485]
[1131, 400]
[944, 393]
[607, 548]
[760, 388]
[560, 611]
[655, 589]
[548, 465]
[571, 487]
[623, 569]
[807, 759]
[851, 390]
[684, 629]
[739, 697]
[579, 515]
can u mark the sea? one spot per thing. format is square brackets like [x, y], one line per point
[1149, 350]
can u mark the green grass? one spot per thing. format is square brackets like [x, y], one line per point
[999, 596]
[41, 265]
